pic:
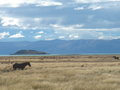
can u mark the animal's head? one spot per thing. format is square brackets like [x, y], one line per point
[28, 63]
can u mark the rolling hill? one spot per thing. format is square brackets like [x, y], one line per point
[28, 52]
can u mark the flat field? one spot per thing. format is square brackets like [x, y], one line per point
[75, 72]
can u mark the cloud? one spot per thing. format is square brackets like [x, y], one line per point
[79, 8]
[41, 32]
[17, 35]
[10, 21]
[16, 3]
[40, 35]
[14, 22]
[95, 7]
[72, 36]
[74, 19]
[87, 1]
[80, 27]
[95, 1]
[37, 36]
[49, 3]
[4, 34]
[67, 28]
[74, 32]
[108, 37]
[28, 23]
[92, 7]
[61, 37]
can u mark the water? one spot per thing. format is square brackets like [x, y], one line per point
[67, 54]
[33, 55]
[100, 54]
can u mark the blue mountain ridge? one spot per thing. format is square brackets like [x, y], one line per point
[63, 46]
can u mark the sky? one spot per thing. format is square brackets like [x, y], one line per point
[32, 20]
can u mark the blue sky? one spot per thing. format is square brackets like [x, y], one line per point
[31, 20]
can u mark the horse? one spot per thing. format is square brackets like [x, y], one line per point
[115, 57]
[21, 66]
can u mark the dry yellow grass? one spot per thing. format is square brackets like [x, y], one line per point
[69, 75]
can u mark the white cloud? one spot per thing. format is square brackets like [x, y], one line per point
[72, 36]
[4, 34]
[79, 27]
[94, 1]
[17, 35]
[28, 23]
[61, 37]
[73, 32]
[49, 39]
[38, 36]
[14, 3]
[37, 19]
[79, 8]
[66, 28]
[87, 1]
[18, 3]
[20, 23]
[49, 3]
[95, 7]
[106, 37]
[10, 21]
[100, 29]
[41, 32]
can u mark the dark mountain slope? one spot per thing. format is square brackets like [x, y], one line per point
[28, 52]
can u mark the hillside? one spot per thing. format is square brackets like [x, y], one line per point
[29, 52]
[63, 46]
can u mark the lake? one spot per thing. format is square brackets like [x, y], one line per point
[67, 54]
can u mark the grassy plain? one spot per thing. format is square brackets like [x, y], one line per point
[76, 72]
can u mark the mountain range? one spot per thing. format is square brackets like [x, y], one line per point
[63, 46]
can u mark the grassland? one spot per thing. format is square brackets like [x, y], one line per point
[85, 72]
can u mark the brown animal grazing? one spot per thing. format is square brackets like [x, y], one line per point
[115, 57]
[21, 66]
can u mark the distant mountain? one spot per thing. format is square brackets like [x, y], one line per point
[28, 52]
[63, 46]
